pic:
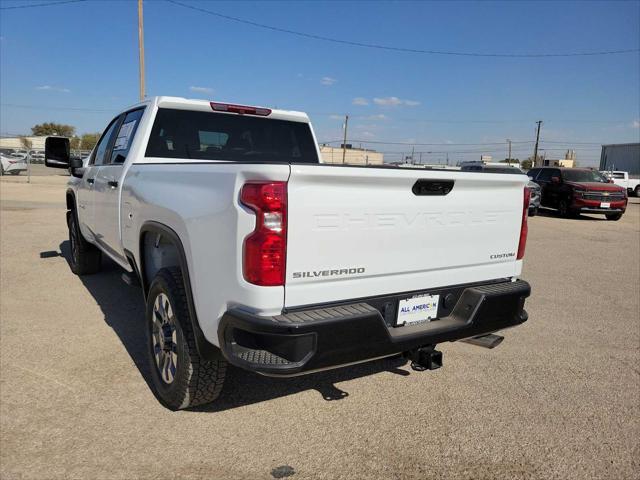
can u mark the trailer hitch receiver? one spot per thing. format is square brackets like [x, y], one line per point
[424, 358]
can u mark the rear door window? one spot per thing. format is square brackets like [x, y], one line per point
[197, 135]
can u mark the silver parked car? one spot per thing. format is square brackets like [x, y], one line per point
[12, 162]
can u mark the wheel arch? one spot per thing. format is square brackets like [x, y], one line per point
[71, 199]
[173, 254]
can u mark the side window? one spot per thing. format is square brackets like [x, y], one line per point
[533, 172]
[102, 147]
[125, 135]
[545, 175]
[556, 173]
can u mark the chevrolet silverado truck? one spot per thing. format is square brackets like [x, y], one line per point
[249, 251]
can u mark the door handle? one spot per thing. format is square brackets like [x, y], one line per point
[91, 181]
[112, 183]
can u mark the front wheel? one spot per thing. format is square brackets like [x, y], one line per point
[564, 210]
[85, 258]
[181, 378]
[614, 217]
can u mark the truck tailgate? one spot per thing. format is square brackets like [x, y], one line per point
[356, 232]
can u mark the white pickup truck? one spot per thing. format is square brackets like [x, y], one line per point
[622, 179]
[250, 251]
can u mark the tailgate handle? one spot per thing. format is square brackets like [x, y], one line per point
[432, 187]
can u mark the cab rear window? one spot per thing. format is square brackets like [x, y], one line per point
[197, 135]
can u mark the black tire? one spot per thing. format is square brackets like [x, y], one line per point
[563, 209]
[637, 191]
[85, 258]
[533, 212]
[180, 377]
[614, 217]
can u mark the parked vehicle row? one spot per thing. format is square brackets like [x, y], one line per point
[579, 190]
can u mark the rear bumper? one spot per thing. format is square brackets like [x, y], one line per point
[324, 337]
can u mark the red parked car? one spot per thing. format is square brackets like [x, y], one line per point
[579, 190]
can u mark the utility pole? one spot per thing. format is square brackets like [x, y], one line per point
[141, 48]
[509, 157]
[344, 143]
[535, 151]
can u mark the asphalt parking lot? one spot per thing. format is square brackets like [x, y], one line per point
[559, 398]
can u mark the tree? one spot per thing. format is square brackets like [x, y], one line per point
[528, 163]
[26, 143]
[51, 128]
[89, 140]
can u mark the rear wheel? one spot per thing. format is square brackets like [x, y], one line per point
[614, 216]
[637, 191]
[181, 378]
[85, 258]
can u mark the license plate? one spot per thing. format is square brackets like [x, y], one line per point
[605, 205]
[420, 309]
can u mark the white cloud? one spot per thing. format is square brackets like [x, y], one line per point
[394, 102]
[51, 88]
[360, 101]
[201, 89]
[328, 81]
[379, 116]
[635, 124]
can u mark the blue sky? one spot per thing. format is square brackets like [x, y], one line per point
[83, 57]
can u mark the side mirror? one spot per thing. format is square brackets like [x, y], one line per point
[531, 178]
[56, 152]
[555, 179]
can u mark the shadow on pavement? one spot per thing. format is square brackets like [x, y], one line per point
[123, 309]
[546, 212]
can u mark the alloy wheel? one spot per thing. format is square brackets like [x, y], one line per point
[165, 348]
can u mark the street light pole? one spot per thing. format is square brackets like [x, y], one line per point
[141, 48]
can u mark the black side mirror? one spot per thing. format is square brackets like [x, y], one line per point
[56, 152]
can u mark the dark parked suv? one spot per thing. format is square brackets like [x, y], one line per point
[579, 190]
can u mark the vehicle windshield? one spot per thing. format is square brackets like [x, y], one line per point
[218, 136]
[583, 176]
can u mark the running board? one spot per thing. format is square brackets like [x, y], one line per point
[486, 341]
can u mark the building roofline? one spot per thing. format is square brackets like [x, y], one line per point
[620, 144]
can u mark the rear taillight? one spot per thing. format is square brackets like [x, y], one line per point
[524, 227]
[265, 249]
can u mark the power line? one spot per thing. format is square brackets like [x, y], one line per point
[423, 144]
[396, 49]
[46, 4]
